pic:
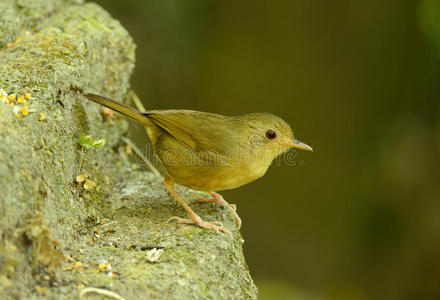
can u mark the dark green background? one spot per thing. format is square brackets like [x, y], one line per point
[359, 81]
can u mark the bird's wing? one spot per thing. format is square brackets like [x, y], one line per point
[197, 131]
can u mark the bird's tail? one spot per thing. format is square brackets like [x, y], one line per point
[120, 108]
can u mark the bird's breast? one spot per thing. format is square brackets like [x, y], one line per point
[190, 170]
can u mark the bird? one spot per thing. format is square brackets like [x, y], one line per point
[210, 152]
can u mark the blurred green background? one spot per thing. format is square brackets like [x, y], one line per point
[359, 81]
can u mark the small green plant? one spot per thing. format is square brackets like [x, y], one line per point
[87, 142]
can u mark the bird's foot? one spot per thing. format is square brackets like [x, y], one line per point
[199, 222]
[217, 198]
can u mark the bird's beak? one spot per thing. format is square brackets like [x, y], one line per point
[300, 145]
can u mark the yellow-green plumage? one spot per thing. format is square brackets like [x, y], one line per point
[210, 152]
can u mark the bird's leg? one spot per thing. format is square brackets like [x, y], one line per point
[195, 219]
[217, 198]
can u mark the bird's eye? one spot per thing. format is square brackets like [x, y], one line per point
[270, 134]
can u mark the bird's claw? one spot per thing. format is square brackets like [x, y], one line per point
[217, 198]
[216, 225]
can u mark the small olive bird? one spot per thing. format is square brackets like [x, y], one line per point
[210, 152]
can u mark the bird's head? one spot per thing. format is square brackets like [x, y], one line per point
[271, 135]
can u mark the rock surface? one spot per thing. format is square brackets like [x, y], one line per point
[61, 233]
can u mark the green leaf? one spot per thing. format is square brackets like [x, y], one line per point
[87, 142]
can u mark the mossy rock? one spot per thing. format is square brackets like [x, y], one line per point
[59, 235]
